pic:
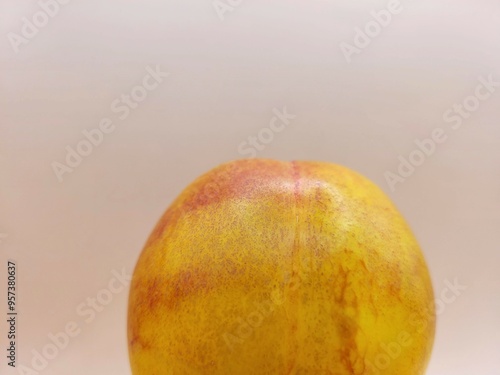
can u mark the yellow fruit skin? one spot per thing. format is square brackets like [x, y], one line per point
[268, 267]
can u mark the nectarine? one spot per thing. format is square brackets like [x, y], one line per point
[268, 267]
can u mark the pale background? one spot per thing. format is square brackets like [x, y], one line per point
[226, 78]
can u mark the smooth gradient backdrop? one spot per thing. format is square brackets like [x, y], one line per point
[230, 68]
